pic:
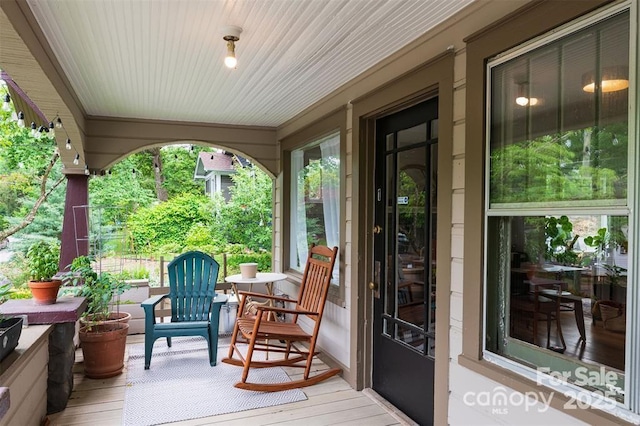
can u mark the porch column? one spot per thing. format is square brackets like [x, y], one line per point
[74, 241]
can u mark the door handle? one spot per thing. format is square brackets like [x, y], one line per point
[373, 286]
[377, 229]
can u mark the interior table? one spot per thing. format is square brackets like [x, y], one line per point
[566, 297]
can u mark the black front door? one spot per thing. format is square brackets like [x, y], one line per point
[404, 259]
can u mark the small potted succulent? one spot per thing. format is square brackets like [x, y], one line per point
[42, 261]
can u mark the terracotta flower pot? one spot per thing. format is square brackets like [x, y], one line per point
[113, 317]
[45, 292]
[103, 347]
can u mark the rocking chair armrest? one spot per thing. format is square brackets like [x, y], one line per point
[284, 310]
[265, 296]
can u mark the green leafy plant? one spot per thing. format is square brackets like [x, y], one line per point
[561, 240]
[5, 291]
[42, 260]
[98, 288]
[614, 272]
[139, 273]
[600, 242]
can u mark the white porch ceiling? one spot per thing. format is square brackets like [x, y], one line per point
[163, 59]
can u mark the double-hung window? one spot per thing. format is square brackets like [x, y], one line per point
[561, 292]
[315, 200]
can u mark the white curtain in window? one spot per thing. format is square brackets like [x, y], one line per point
[299, 250]
[330, 150]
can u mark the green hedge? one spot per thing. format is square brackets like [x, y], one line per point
[234, 260]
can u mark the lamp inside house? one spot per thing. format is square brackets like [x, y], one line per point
[612, 79]
[523, 98]
[231, 34]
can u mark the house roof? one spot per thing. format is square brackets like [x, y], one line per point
[213, 162]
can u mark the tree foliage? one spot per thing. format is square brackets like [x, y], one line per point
[246, 218]
[583, 164]
[121, 190]
[178, 165]
[29, 174]
[169, 222]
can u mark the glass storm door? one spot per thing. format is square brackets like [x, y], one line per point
[404, 259]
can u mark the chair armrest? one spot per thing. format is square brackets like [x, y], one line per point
[284, 310]
[266, 296]
[153, 301]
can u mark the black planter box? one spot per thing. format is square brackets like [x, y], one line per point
[10, 330]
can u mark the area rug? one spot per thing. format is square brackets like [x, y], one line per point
[181, 385]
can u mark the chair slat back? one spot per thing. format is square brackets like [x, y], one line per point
[316, 280]
[192, 285]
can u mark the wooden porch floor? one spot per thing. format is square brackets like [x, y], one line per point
[332, 402]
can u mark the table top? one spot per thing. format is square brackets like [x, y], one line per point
[261, 278]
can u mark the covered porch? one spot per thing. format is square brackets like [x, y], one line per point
[410, 101]
[331, 402]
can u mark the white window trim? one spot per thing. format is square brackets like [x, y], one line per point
[630, 410]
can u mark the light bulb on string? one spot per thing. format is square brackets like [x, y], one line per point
[76, 159]
[52, 129]
[156, 167]
[34, 129]
[615, 140]
[86, 170]
[109, 172]
[58, 123]
[133, 172]
[38, 132]
[68, 144]
[21, 119]
[6, 105]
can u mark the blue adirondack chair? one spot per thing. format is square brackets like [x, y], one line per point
[195, 307]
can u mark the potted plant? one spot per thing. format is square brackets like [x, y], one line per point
[42, 261]
[102, 338]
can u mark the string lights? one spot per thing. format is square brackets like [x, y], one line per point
[56, 123]
[50, 128]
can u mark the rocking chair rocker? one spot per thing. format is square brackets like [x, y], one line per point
[258, 331]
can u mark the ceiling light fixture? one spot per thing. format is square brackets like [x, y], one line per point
[523, 98]
[612, 79]
[231, 34]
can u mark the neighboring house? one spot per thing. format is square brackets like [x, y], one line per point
[216, 169]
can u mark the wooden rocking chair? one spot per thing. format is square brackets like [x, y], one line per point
[264, 335]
